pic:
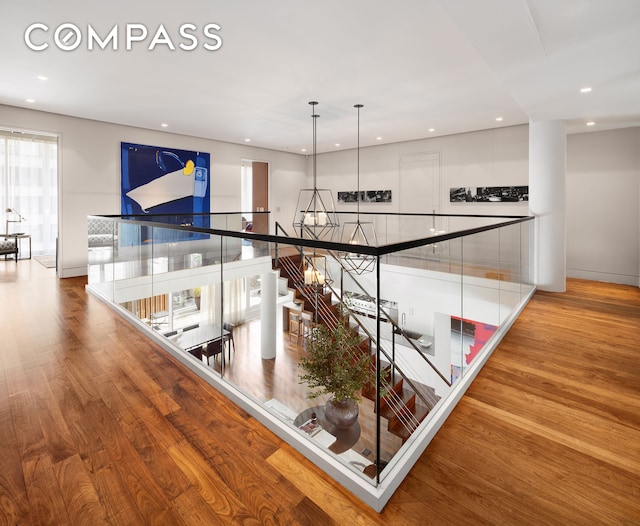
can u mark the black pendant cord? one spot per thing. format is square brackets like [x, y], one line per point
[358, 106]
[314, 116]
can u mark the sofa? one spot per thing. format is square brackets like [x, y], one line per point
[102, 233]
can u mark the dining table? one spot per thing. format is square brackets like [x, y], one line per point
[198, 336]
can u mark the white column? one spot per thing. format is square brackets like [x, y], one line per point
[269, 296]
[547, 201]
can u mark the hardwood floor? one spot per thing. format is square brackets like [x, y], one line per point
[99, 426]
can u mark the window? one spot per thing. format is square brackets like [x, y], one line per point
[29, 186]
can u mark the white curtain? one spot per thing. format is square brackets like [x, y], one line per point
[208, 303]
[235, 303]
[29, 185]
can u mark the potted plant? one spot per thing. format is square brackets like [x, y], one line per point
[335, 365]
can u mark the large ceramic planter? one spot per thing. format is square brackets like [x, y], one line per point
[341, 413]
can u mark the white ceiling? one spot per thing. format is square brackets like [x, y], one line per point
[450, 65]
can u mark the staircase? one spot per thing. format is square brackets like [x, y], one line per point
[400, 406]
[403, 406]
[319, 304]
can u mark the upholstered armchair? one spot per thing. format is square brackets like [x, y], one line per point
[8, 246]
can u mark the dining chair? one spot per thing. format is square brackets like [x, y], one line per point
[229, 337]
[197, 352]
[213, 348]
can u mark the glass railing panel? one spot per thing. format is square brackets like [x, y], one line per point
[526, 261]
[385, 227]
[185, 261]
[185, 269]
[102, 244]
[263, 302]
[398, 228]
[510, 272]
[246, 289]
[409, 227]
[286, 300]
[133, 284]
[481, 295]
[409, 309]
[253, 295]
[212, 281]
[168, 247]
[135, 250]
[234, 222]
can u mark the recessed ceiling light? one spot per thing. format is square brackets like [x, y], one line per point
[585, 89]
[303, 150]
[30, 101]
[378, 138]
[432, 129]
[499, 119]
[42, 77]
[337, 144]
[591, 123]
[164, 125]
[247, 140]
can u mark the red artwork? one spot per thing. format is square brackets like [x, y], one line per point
[477, 333]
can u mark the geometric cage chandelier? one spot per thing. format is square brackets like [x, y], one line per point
[358, 232]
[315, 216]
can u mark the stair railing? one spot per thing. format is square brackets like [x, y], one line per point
[428, 400]
[281, 229]
[328, 315]
[395, 402]
[406, 418]
[392, 399]
[396, 329]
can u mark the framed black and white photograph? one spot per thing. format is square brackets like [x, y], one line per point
[489, 194]
[376, 196]
[366, 196]
[347, 197]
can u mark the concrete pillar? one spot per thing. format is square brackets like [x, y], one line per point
[547, 201]
[268, 315]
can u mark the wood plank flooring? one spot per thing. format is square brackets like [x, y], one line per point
[99, 426]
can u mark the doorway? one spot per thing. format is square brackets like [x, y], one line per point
[255, 199]
[29, 191]
[420, 193]
[420, 183]
[255, 194]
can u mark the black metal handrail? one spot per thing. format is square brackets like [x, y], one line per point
[332, 245]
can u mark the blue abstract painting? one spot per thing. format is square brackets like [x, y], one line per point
[159, 180]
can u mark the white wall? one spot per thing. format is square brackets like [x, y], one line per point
[603, 218]
[90, 173]
[603, 181]
[486, 158]
[603, 188]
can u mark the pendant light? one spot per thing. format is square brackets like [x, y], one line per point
[315, 215]
[359, 233]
